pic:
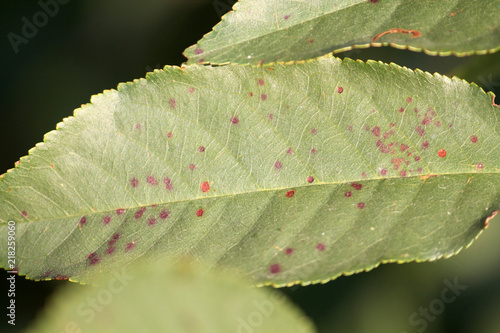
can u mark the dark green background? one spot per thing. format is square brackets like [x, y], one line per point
[92, 45]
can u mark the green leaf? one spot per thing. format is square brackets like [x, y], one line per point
[289, 173]
[286, 30]
[154, 298]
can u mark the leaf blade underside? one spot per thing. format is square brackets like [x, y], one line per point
[290, 173]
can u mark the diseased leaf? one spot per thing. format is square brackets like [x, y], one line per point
[289, 173]
[181, 299]
[287, 30]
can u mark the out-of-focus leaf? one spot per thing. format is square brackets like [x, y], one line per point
[184, 299]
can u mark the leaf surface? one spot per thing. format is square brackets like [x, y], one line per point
[286, 30]
[182, 299]
[289, 173]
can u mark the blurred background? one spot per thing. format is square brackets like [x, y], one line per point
[93, 45]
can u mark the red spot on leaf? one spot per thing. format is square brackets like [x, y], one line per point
[286, 17]
[290, 193]
[93, 258]
[106, 220]
[83, 220]
[152, 221]
[420, 131]
[398, 162]
[320, 247]
[114, 239]
[261, 82]
[402, 173]
[409, 99]
[361, 205]
[313, 151]
[340, 90]
[172, 103]
[480, 166]
[263, 97]
[235, 120]
[200, 212]
[191, 90]
[348, 194]
[139, 213]
[288, 251]
[201, 149]
[275, 269]
[425, 145]
[192, 166]
[168, 184]
[251, 94]
[134, 182]
[278, 165]
[473, 139]
[404, 147]
[110, 250]
[426, 121]
[313, 131]
[120, 211]
[441, 153]
[151, 180]
[205, 186]
[289, 151]
[24, 213]
[164, 214]
[169, 135]
[310, 179]
[129, 246]
[357, 186]
[383, 172]
[376, 131]
[270, 116]
[198, 51]
[382, 147]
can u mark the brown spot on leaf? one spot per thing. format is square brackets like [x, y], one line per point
[414, 33]
[488, 219]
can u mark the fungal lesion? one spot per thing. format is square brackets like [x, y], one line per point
[413, 33]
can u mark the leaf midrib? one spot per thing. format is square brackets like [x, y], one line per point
[320, 183]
